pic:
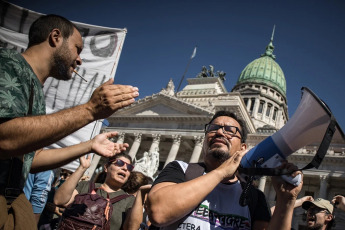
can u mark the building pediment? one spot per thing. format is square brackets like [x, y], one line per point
[164, 105]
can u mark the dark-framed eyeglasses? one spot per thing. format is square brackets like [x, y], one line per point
[227, 129]
[313, 211]
[120, 163]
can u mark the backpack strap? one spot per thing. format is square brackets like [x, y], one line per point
[93, 189]
[31, 99]
[194, 170]
[91, 186]
[250, 198]
[118, 198]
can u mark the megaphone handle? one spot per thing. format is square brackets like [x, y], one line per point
[293, 180]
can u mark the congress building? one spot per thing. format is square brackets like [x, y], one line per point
[169, 126]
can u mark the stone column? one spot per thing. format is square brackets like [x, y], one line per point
[256, 107]
[264, 109]
[249, 103]
[155, 142]
[174, 149]
[262, 183]
[323, 186]
[199, 140]
[135, 145]
[121, 138]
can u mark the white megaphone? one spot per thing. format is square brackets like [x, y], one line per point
[311, 123]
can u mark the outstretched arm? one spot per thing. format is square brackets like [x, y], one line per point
[298, 202]
[54, 158]
[26, 134]
[184, 197]
[286, 198]
[65, 194]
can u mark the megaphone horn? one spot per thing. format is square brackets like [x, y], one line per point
[313, 122]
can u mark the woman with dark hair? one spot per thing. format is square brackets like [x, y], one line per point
[134, 182]
[117, 172]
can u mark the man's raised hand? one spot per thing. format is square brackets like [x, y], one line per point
[108, 98]
[101, 145]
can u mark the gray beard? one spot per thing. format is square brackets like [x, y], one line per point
[219, 155]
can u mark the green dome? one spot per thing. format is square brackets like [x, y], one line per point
[264, 70]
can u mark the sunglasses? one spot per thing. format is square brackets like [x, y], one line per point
[121, 163]
[227, 129]
[313, 211]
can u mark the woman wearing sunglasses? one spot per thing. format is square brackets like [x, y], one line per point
[117, 172]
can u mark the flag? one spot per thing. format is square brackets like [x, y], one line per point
[194, 52]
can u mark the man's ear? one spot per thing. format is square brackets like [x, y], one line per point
[105, 168]
[329, 217]
[243, 146]
[55, 38]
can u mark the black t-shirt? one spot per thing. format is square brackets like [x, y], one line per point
[174, 172]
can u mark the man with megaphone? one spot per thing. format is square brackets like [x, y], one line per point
[206, 195]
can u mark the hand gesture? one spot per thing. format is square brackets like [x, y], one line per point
[85, 161]
[306, 198]
[339, 202]
[230, 166]
[106, 148]
[285, 189]
[108, 98]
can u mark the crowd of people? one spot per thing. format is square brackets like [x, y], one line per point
[183, 196]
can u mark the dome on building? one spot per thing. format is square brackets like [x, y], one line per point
[264, 70]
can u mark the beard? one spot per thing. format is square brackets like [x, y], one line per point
[61, 63]
[315, 227]
[219, 155]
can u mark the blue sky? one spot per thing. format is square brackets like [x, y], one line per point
[309, 40]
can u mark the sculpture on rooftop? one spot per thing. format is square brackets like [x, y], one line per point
[170, 89]
[210, 73]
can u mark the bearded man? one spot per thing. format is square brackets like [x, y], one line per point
[212, 200]
[54, 50]
[319, 214]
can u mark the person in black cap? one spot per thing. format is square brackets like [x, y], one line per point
[319, 214]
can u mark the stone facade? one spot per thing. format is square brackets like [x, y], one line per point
[179, 122]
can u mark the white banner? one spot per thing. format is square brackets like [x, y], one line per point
[101, 53]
